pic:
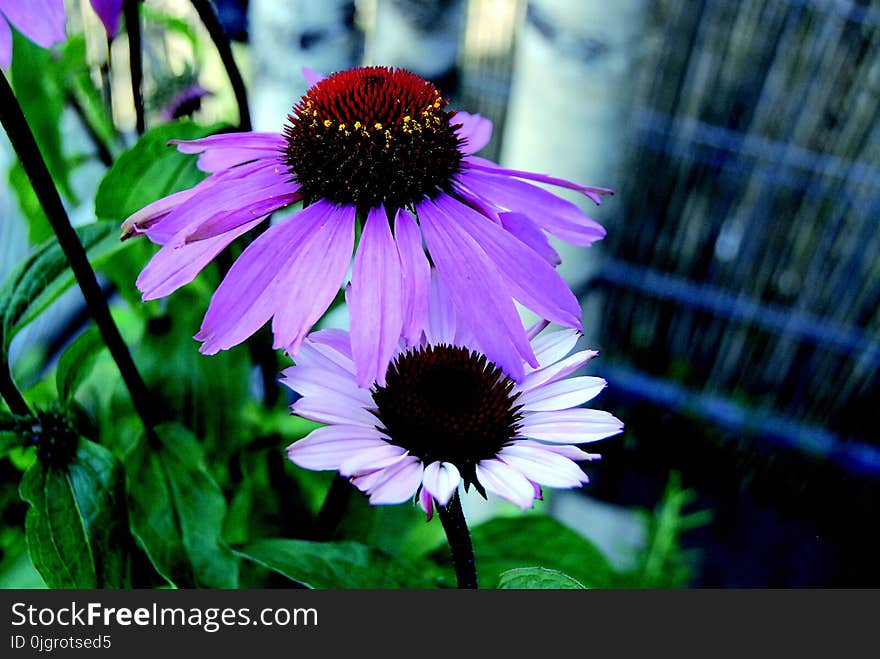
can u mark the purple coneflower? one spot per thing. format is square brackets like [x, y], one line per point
[446, 414]
[374, 145]
[41, 21]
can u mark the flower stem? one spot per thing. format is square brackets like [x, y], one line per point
[333, 508]
[452, 519]
[22, 139]
[10, 392]
[132, 11]
[209, 19]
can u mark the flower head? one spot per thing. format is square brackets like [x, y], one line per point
[447, 415]
[41, 21]
[376, 146]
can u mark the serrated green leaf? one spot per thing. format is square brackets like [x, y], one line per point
[76, 361]
[150, 170]
[503, 544]
[177, 511]
[76, 526]
[537, 578]
[336, 564]
[44, 275]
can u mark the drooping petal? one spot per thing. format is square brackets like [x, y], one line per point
[174, 266]
[533, 281]
[312, 277]
[530, 234]
[544, 467]
[441, 479]
[556, 371]
[376, 457]
[475, 131]
[426, 501]
[476, 290]
[550, 347]
[219, 152]
[565, 450]
[330, 446]
[400, 484]
[41, 21]
[595, 193]
[562, 394]
[506, 482]
[577, 426]
[249, 294]
[108, 11]
[416, 273]
[143, 220]
[252, 204]
[376, 300]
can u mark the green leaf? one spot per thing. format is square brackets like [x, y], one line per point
[177, 511]
[503, 544]
[76, 525]
[336, 564]
[75, 363]
[537, 578]
[150, 170]
[44, 275]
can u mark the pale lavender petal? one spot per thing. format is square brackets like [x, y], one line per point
[577, 426]
[562, 394]
[554, 214]
[312, 381]
[337, 339]
[376, 301]
[311, 76]
[333, 409]
[441, 325]
[401, 484]
[253, 289]
[5, 44]
[219, 152]
[544, 467]
[174, 266]
[108, 11]
[41, 21]
[593, 192]
[552, 346]
[328, 447]
[556, 371]
[319, 354]
[566, 450]
[312, 277]
[477, 291]
[537, 328]
[533, 281]
[416, 273]
[441, 479]
[376, 457]
[506, 482]
[475, 131]
[530, 234]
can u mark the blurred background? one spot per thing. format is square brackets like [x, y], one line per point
[736, 299]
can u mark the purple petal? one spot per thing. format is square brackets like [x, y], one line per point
[441, 479]
[226, 150]
[441, 324]
[577, 426]
[530, 234]
[317, 381]
[253, 289]
[506, 482]
[334, 409]
[562, 394]
[416, 273]
[531, 279]
[475, 131]
[376, 303]
[312, 277]
[427, 503]
[371, 459]
[593, 192]
[476, 290]
[311, 76]
[174, 266]
[544, 467]
[328, 447]
[334, 338]
[41, 21]
[400, 484]
[554, 214]
[255, 204]
[108, 11]
[5, 44]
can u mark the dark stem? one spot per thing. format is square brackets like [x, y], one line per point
[333, 508]
[103, 152]
[209, 19]
[10, 392]
[132, 11]
[28, 152]
[452, 519]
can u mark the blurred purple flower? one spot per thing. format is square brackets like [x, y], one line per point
[448, 415]
[41, 21]
[375, 144]
[108, 11]
[185, 102]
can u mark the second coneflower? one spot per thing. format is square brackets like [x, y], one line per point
[378, 146]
